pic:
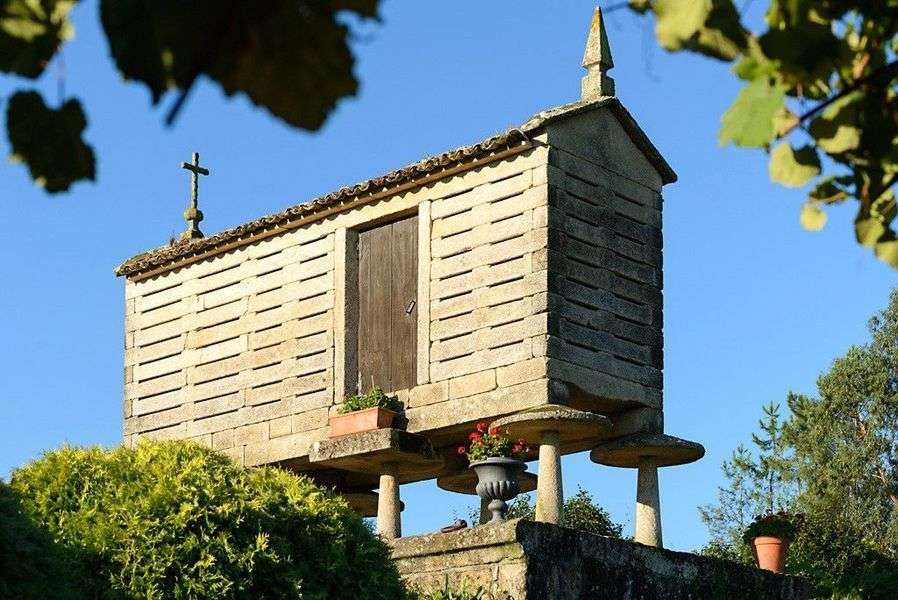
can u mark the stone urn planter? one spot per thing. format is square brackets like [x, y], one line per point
[770, 552]
[367, 419]
[497, 481]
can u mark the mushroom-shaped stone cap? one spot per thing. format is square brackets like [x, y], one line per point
[465, 482]
[364, 503]
[571, 424]
[663, 450]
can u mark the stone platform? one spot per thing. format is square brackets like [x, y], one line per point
[523, 560]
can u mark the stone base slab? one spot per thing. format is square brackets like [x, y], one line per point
[524, 560]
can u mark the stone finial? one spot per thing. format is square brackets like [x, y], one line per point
[597, 61]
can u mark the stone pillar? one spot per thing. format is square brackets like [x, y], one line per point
[485, 514]
[648, 505]
[389, 519]
[549, 494]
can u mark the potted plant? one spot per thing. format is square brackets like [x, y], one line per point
[364, 412]
[498, 461]
[769, 536]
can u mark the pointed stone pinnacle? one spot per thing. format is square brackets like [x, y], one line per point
[597, 61]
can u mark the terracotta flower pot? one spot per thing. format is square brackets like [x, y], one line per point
[367, 419]
[770, 552]
[497, 481]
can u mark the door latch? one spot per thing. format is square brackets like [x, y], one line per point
[410, 307]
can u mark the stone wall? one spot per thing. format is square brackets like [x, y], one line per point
[605, 263]
[533, 268]
[251, 350]
[522, 560]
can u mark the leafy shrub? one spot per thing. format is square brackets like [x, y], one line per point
[374, 397]
[175, 520]
[580, 512]
[462, 592]
[32, 566]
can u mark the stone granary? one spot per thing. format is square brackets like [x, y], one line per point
[517, 280]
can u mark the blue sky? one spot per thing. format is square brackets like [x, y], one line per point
[754, 305]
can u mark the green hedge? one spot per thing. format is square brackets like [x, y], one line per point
[174, 520]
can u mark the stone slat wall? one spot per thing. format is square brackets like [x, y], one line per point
[540, 265]
[234, 351]
[247, 351]
[605, 254]
[487, 287]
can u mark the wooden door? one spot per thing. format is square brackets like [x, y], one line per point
[388, 311]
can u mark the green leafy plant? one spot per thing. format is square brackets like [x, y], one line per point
[375, 397]
[176, 520]
[581, 512]
[32, 565]
[820, 96]
[781, 524]
[487, 442]
[834, 460]
[462, 592]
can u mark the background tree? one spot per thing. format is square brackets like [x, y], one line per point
[821, 97]
[580, 511]
[290, 57]
[759, 481]
[175, 520]
[837, 456]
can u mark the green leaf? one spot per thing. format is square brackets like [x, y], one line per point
[722, 36]
[827, 191]
[887, 252]
[835, 129]
[679, 20]
[49, 141]
[812, 217]
[290, 57]
[750, 120]
[793, 168]
[640, 6]
[709, 27]
[31, 31]
[804, 53]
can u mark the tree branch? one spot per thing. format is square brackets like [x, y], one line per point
[885, 72]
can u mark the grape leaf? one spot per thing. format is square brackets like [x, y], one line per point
[793, 168]
[710, 27]
[812, 217]
[679, 20]
[31, 31]
[49, 141]
[290, 57]
[750, 119]
[834, 130]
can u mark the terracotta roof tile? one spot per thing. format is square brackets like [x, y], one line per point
[172, 255]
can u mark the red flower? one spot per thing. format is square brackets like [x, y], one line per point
[522, 442]
[461, 450]
[516, 448]
[475, 436]
[481, 427]
[494, 430]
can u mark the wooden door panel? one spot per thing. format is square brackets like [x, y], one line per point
[404, 298]
[374, 296]
[388, 290]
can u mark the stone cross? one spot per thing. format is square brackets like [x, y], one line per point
[193, 215]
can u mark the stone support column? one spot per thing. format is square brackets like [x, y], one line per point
[549, 493]
[485, 514]
[648, 504]
[389, 519]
